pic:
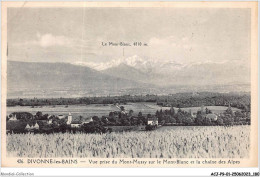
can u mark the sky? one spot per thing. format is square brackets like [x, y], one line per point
[184, 35]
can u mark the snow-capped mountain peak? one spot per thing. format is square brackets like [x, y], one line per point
[155, 66]
[171, 72]
[134, 61]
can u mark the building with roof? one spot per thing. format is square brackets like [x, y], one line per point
[152, 121]
[49, 121]
[194, 114]
[87, 121]
[36, 126]
[61, 116]
[32, 127]
[75, 124]
[28, 127]
[69, 119]
[13, 117]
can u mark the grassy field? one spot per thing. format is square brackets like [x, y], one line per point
[102, 110]
[180, 142]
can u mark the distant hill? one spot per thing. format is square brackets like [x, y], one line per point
[29, 76]
[128, 72]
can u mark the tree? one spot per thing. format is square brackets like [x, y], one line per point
[199, 119]
[220, 121]
[190, 114]
[239, 114]
[24, 116]
[122, 108]
[207, 111]
[125, 122]
[111, 114]
[62, 121]
[104, 120]
[80, 118]
[93, 127]
[157, 114]
[63, 127]
[41, 117]
[163, 122]
[172, 120]
[133, 121]
[161, 112]
[187, 120]
[228, 120]
[167, 118]
[39, 114]
[207, 121]
[179, 117]
[55, 127]
[149, 115]
[131, 112]
[172, 111]
[111, 121]
[149, 127]
[95, 119]
[229, 111]
[140, 122]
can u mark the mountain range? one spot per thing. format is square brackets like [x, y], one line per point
[133, 72]
[168, 73]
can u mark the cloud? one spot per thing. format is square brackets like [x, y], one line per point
[47, 40]
[49, 47]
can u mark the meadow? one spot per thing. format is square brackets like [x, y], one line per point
[165, 142]
[103, 109]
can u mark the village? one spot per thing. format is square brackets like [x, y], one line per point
[122, 120]
[48, 121]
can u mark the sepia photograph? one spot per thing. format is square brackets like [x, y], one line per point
[129, 82]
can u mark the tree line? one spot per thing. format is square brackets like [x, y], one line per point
[179, 100]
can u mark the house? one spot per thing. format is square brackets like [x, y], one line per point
[36, 126]
[202, 109]
[69, 119]
[28, 127]
[13, 117]
[212, 117]
[49, 121]
[61, 116]
[33, 127]
[87, 121]
[75, 124]
[152, 121]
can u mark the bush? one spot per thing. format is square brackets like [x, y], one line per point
[150, 127]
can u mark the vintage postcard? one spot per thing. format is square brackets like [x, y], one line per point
[129, 84]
